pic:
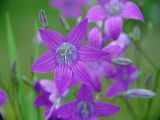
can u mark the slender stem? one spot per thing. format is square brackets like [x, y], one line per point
[156, 84]
[145, 55]
[130, 109]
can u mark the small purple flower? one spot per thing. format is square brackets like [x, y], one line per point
[48, 97]
[3, 97]
[85, 108]
[69, 7]
[114, 11]
[123, 77]
[66, 57]
[104, 68]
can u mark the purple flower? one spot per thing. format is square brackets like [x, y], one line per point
[114, 11]
[69, 7]
[85, 108]
[123, 77]
[3, 97]
[48, 97]
[104, 68]
[66, 56]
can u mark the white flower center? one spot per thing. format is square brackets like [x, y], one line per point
[66, 53]
[114, 8]
[85, 109]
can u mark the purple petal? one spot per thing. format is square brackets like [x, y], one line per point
[105, 110]
[46, 63]
[47, 85]
[116, 89]
[67, 109]
[85, 94]
[88, 53]
[97, 86]
[42, 100]
[95, 38]
[63, 77]
[131, 11]
[96, 13]
[78, 34]
[81, 73]
[51, 38]
[3, 97]
[114, 50]
[133, 73]
[102, 2]
[113, 27]
[108, 70]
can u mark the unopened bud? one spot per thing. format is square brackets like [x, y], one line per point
[136, 33]
[139, 93]
[64, 22]
[43, 18]
[122, 61]
[79, 19]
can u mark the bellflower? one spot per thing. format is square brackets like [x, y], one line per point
[48, 97]
[85, 108]
[123, 77]
[66, 56]
[69, 7]
[104, 68]
[113, 11]
[3, 97]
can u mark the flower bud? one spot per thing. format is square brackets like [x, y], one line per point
[43, 18]
[140, 93]
[122, 61]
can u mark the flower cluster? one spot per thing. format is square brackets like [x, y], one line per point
[76, 60]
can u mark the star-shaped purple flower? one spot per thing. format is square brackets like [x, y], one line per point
[104, 68]
[66, 56]
[113, 11]
[123, 78]
[85, 108]
[3, 97]
[69, 7]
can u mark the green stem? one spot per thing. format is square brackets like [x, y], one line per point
[155, 87]
[130, 109]
[145, 55]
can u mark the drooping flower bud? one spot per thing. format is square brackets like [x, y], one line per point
[64, 22]
[122, 61]
[43, 18]
[139, 93]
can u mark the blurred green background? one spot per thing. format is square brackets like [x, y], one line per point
[24, 13]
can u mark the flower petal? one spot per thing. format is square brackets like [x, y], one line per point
[46, 63]
[85, 94]
[131, 11]
[105, 110]
[113, 27]
[88, 53]
[116, 89]
[95, 38]
[67, 110]
[63, 77]
[42, 100]
[51, 39]
[97, 86]
[78, 34]
[102, 2]
[81, 73]
[47, 85]
[3, 97]
[96, 13]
